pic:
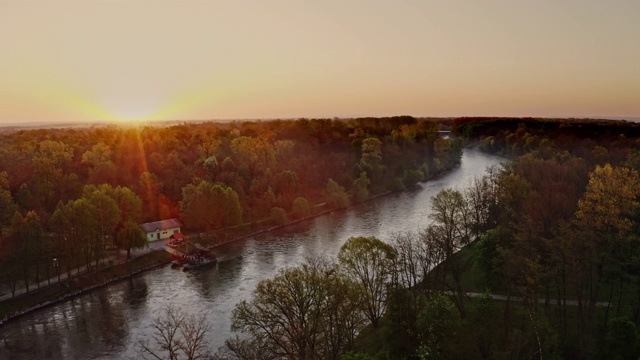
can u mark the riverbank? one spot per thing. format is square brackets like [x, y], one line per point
[15, 307]
[61, 291]
[25, 303]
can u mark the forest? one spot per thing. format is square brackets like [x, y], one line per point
[78, 194]
[537, 259]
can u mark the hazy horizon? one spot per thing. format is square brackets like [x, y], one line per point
[116, 60]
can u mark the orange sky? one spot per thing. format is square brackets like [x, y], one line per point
[116, 60]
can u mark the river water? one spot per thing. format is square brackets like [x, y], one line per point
[109, 323]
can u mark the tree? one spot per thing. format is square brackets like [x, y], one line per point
[7, 205]
[107, 216]
[361, 186]
[481, 199]
[602, 235]
[305, 312]
[301, 208]
[99, 159]
[178, 335]
[371, 160]
[130, 237]
[452, 226]
[438, 324]
[278, 216]
[621, 340]
[337, 196]
[29, 236]
[207, 206]
[368, 262]
[417, 255]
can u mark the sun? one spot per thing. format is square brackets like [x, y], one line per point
[133, 114]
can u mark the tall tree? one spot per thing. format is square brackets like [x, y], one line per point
[603, 225]
[307, 312]
[107, 218]
[337, 195]
[368, 262]
[130, 237]
[452, 224]
[7, 205]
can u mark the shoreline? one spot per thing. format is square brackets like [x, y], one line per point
[70, 295]
[157, 264]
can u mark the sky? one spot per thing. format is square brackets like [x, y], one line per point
[134, 60]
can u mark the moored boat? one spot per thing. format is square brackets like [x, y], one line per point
[201, 262]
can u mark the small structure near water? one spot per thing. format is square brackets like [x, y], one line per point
[160, 230]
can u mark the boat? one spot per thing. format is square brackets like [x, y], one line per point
[199, 263]
[176, 263]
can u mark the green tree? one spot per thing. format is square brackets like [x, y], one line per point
[371, 161]
[621, 340]
[7, 205]
[306, 312]
[602, 235]
[337, 196]
[438, 326]
[368, 262]
[278, 216]
[301, 208]
[452, 225]
[207, 206]
[130, 237]
[29, 235]
[101, 165]
[107, 217]
[361, 186]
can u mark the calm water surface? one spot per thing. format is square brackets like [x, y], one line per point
[108, 323]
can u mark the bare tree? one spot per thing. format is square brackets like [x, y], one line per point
[417, 255]
[177, 336]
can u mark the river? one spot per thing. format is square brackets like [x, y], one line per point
[108, 323]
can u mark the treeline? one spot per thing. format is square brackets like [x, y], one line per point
[69, 193]
[595, 141]
[553, 234]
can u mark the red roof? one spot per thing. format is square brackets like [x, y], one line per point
[178, 236]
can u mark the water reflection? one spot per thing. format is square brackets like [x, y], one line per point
[109, 322]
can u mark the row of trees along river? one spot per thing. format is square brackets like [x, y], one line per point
[71, 194]
[552, 235]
